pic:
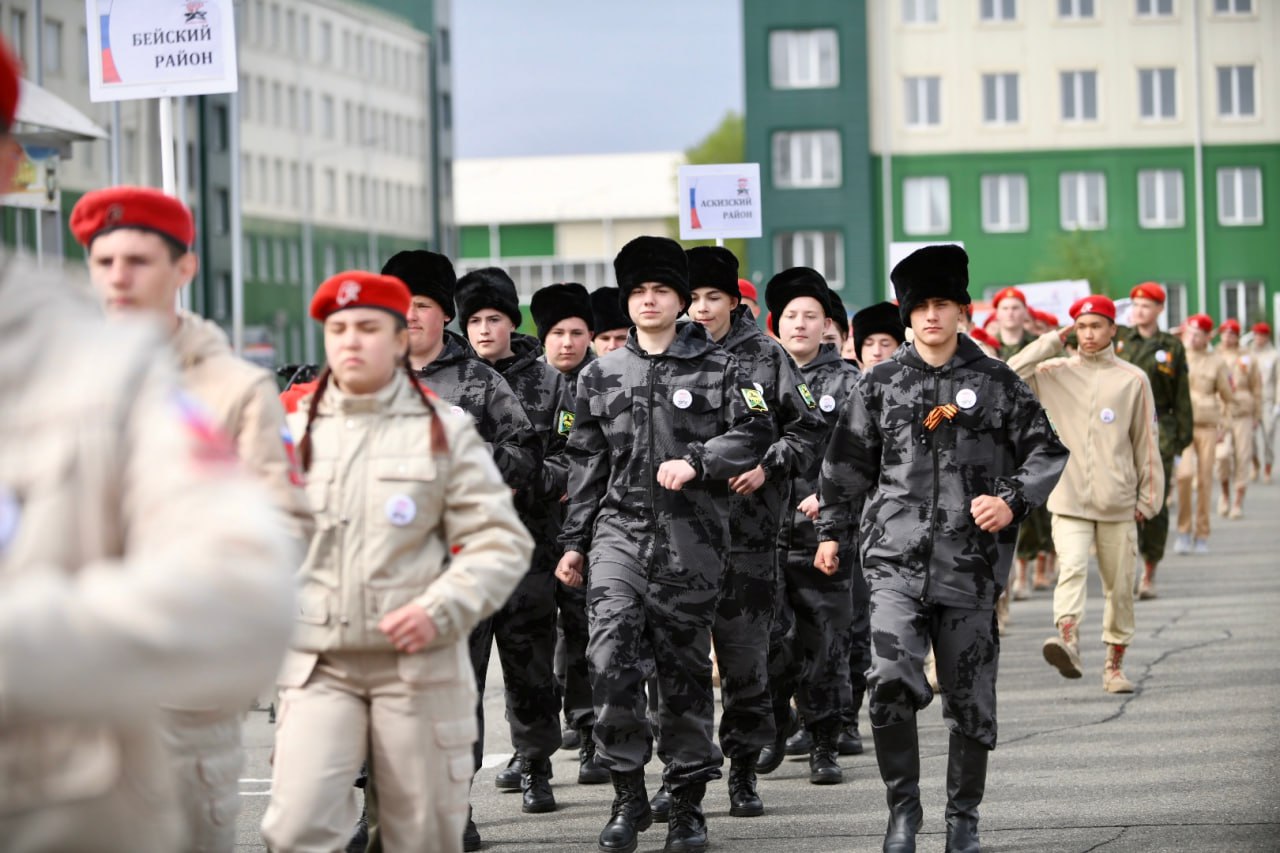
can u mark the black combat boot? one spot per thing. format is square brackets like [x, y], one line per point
[966, 782]
[508, 778]
[535, 785]
[470, 835]
[898, 754]
[687, 829]
[800, 743]
[589, 770]
[360, 835]
[785, 725]
[743, 799]
[631, 815]
[823, 767]
[660, 805]
[570, 738]
[850, 742]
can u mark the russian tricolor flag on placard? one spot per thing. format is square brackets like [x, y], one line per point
[109, 72]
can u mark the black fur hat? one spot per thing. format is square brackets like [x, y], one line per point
[428, 274]
[713, 266]
[879, 319]
[607, 312]
[934, 272]
[557, 302]
[791, 284]
[839, 314]
[488, 287]
[651, 259]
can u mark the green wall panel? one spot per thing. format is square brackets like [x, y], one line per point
[473, 242]
[527, 241]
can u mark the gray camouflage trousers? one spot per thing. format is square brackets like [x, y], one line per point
[571, 657]
[859, 646]
[966, 646]
[741, 634]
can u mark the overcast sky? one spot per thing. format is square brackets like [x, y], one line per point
[592, 76]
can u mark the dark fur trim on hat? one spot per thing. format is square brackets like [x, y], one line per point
[934, 272]
[714, 266]
[839, 314]
[487, 287]
[879, 319]
[607, 312]
[645, 259]
[428, 274]
[557, 302]
[791, 284]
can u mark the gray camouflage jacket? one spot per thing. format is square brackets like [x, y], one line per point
[635, 411]
[917, 535]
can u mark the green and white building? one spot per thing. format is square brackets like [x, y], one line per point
[1118, 140]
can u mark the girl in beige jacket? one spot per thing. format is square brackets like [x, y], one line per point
[379, 665]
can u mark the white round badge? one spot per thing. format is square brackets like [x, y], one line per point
[1107, 416]
[966, 398]
[827, 403]
[682, 399]
[1244, 359]
[759, 388]
[458, 410]
[401, 510]
[10, 515]
[1162, 356]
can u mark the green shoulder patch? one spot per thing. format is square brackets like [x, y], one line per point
[564, 421]
[755, 400]
[807, 395]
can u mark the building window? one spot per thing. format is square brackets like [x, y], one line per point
[926, 205]
[1083, 200]
[1160, 198]
[919, 11]
[264, 260]
[277, 260]
[1235, 91]
[806, 159]
[999, 10]
[443, 38]
[1000, 98]
[1157, 93]
[221, 128]
[295, 262]
[1175, 304]
[330, 261]
[820, 250]
[295, 188]
[52, 46]
[1233, 7]
[326, 116]
[330, 196]
[274, 40]
[1245, 301]
[1004, 203]
[924, 102]
[1240, 196]
[1155, 8]
[261, 100]
[304, 38]
[803, 59]
[278, 195]
[291, 32]
[1079, 95]
[17, 33]
[1075, 9]
[246, 175]
[222, 211]
[306, 111]
[326, 43]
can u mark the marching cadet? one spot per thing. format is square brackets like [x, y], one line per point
[661, 425]
[141, 566]
[1269, 366]
[1240, 420]
[378, 668]
[138, 242]
[809, 645]
[1106, 414]
[563, 317]
[611, 323]
[949, 451]
[525, 627]
[1211, 397]
[741, 628]
[1164, 359]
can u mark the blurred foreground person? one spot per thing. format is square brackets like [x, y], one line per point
[139, 566]
[379, 665]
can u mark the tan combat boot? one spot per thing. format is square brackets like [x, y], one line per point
[1113, 680]
[1147, 589]
[1063, 650]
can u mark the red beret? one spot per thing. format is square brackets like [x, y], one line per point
[1230, 325]
[1008, 293]
[748, 290]
[1203, 322]
[981, 336]
[1263, 329]
[1100, 305]
[360, 289]
[99, 211]
[1043, 317]
[10, 74]
[1148, 290]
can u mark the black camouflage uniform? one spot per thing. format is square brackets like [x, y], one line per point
[1035, 534]
[933, 574]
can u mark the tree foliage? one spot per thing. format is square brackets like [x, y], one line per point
[1078, 255]
[725, 144]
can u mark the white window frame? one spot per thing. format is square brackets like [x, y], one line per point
[1078, 78]
[922, 100]
[934, 192]
[1236, 290]
[1233, 109]
[998, 111]
[1078, 10]
[998, 11]
[1073, 193]
[51, 41]
[1168, 187]
[794, 149]
[1235, 177]
[1233, 7]
[1006, 187]
[1157, 79]
[1152, 9]
[805, 249]
[796, 59]
[1175, 303]
[916, 12]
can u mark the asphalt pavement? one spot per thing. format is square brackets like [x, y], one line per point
[1190, 761]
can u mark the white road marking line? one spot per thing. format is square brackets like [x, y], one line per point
[495, 759]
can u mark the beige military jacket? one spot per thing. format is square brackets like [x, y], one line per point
[1105, 413]
[1210, 385]
[138, 565]
[1246, 383]
[1269, 368]
[389, 507]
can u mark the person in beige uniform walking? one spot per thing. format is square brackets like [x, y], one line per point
[379, 667]
[1264, 352]
[1240, 420]
[139, 566]
[1211, 396]
[138, 241]
[1105, 414]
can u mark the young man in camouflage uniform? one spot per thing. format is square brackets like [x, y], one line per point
[525, 627]
[1163, 358]
[661, 425]
[949, 450]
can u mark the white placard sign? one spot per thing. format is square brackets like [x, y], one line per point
[160, 48]
[720, 202]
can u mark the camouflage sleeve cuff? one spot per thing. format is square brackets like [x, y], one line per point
[693, 455]
[1008, 491]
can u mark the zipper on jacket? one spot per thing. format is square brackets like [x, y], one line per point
[653, 467]
[933, 507]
